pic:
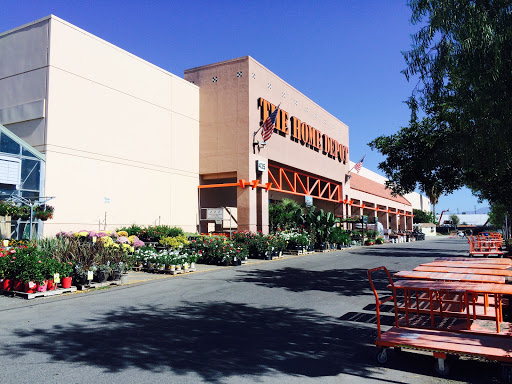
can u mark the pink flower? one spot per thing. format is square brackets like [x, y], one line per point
[123, 240]
[14, 257]
[13, 251]
[39, 261]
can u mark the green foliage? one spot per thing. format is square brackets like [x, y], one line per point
[423, 216]
[174, 242]
[131, 230]
[462, 63]
[152, 233]
[339, 236]
[285, 215]
[497, 215]
[319, 223]
[416, 157]
[455, 220]
[7, 208]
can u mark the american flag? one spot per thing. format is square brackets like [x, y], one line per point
[269, 124]
[359, 164]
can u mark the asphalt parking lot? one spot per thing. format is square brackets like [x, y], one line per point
[306, 319]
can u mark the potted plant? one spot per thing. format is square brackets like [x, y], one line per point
[44, 212]
[262, 248]
[65, 273]
[5, 272]
[379, 240]
[102, 272]
[50, 268]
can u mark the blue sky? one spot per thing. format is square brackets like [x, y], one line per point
[344, 55]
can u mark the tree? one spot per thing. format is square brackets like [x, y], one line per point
[455, 220]
[416, 158]
[461, 58]
[423, 216]
[498, 216]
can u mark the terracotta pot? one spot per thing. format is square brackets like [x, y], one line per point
[66, 282]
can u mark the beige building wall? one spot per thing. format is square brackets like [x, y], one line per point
[230, 114]
[121, 135]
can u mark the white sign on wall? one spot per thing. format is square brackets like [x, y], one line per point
[308, 200]
[214, 214]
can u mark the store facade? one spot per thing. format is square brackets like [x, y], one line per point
[306, 158]
[127, 142]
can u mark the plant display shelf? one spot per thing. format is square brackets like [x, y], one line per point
[93, 285]
[30, 296]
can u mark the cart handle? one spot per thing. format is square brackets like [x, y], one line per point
[378, 302]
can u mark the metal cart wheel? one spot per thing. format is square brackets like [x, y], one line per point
[382, 355]
[442, 367]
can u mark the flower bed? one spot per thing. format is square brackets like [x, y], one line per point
[152, 260]
[84, 256]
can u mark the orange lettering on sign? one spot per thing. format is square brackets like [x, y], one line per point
[312, 137]
[325, 140]
[283, 119]
[318, 140]
[304, 133]
[264, 108]
[295, 128]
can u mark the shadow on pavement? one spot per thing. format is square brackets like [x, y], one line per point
[412, 252]
[346, 282]
[214, 341]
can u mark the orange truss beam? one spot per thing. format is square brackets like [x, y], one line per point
[313, 186]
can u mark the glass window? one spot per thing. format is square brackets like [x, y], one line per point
[30, 170]
[26, 153]
[30, 195]
[8, 145]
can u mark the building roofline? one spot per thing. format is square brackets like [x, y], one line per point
[70, 25]
[8, 32]
[250, 58]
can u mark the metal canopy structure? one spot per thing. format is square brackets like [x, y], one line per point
[300, 184]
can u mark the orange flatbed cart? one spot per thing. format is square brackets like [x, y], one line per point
[465, 264]
[479, 271]
[464, 277]
[503, 260]
[469, 339]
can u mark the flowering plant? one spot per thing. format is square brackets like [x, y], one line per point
[44, 212]
[175, 242]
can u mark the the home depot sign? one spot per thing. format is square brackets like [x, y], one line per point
[304, 133]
